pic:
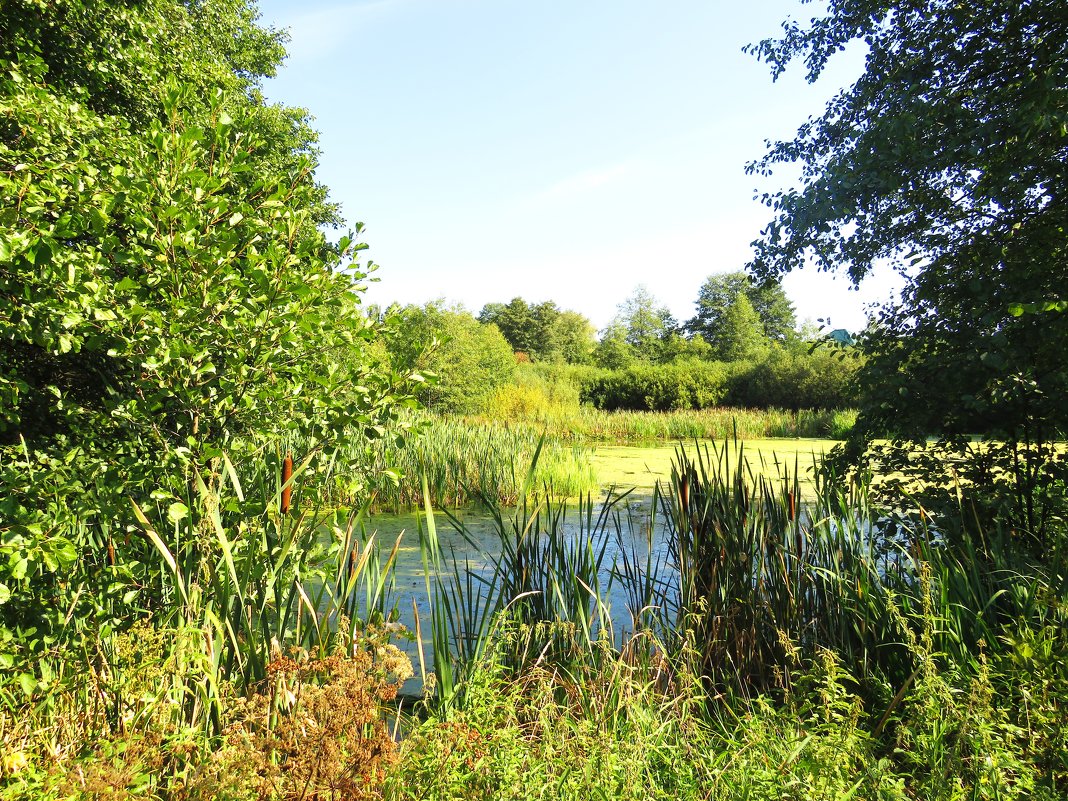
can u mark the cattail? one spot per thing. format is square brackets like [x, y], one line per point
[111, 553]
[791, 503]
[287, 485]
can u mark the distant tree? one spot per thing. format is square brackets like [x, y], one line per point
[775, 313]
[678, 347]
[466, 360]
[573, 338]
[647, 324]
[613, 352]
[740, 335]
[518, 323]
[542, 330]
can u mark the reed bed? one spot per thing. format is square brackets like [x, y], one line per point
[465, 461]
[734, 572]
[774, 649]
[589, 425]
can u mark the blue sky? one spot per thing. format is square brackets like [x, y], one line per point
[563, 150]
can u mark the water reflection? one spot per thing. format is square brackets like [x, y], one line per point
[623, 534]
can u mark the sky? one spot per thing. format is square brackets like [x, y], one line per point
[564, 150]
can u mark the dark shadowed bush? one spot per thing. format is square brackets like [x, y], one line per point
[791, 380]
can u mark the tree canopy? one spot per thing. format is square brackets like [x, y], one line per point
[165, 290]
[643, 324]
[543, 331]
[466, 359]
[947, 159]
[719, 293]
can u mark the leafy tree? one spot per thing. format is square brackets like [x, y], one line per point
[573, 338]
[948, 159]
[542, 330]
[720, 292]
[740, 336]
[165, 291]
[613, 352]
[680, 348]
[469, 360]
[518, 323]
[647, 325]
[119, 59]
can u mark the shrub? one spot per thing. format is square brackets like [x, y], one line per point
[685, 385]
[791, 380]
[535, 393]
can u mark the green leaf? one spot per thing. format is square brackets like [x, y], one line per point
[177, 512]
[28, 683]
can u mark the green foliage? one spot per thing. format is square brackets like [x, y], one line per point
[946, 160]
[613, 352]
[716, 301]
[165, 297]
[594, 425]
[774, 378]
[687, 385]
[573, 338]
[541, 330]
[465, 460]
[538, 393]
[644, 325]
[805, 651]
[822, 379]
[468, 359]
[739, 336]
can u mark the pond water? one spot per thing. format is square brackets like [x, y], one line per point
[633, 534]
[642, 466]
[477, 547]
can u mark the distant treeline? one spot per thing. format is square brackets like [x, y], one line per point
[743, 347]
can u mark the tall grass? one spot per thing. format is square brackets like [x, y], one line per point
[464, 461]
[589, 425]
[777, 649]
[735, 574]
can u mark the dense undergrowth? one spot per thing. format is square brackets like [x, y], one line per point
[767, 649]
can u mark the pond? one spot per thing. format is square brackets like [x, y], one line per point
[632, 536]
[641, 467]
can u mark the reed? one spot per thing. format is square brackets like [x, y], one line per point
[586, 424]
[257, 583]
[465, 461]
[734, 577]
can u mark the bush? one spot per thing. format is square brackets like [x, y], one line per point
[468, 359]
[791, 380]
[537, 392]
[685, 385]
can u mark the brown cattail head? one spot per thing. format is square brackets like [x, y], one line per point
[287, 486]
[791, 502]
